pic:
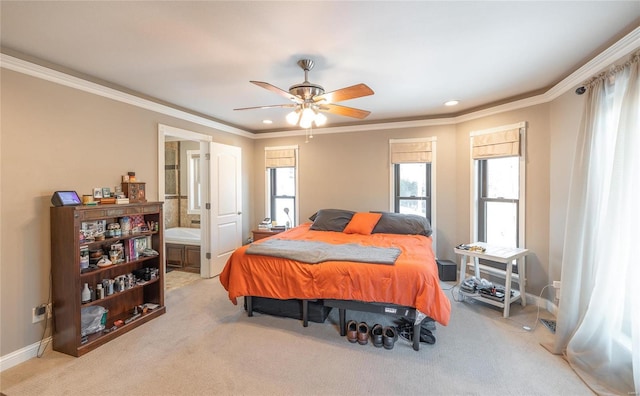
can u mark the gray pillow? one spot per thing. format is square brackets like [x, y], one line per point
[331, 220]
[405, 224]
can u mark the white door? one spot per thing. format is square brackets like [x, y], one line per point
[225, 204]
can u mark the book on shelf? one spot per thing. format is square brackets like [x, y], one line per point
[136, 246]
[122, 201]
[130, 250]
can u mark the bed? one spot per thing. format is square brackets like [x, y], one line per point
[408, 286]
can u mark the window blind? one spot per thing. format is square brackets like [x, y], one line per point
[496, 144]
[410, 152]
[280, 158]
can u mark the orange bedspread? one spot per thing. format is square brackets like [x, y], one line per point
[412, 281]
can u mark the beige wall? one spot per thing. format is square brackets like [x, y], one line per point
[564, 120]
[57, 138]
[351, 171]
[537, 185]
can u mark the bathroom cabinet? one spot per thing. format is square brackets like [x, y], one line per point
[183, 257]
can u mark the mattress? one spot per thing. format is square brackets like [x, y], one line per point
[411, 281]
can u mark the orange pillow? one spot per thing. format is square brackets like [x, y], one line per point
[362, 223]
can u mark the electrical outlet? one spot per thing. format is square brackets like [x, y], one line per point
[41, 312]
[557, 285]
[38, 313]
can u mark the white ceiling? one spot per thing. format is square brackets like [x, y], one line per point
[415, 55]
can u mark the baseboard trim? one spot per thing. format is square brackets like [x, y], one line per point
[22, 355]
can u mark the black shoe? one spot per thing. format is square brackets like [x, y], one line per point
[426, 336]
[427, 323]
[377, 335]
[405, 332]
[389, 337]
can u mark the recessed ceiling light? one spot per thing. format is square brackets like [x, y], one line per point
[267, 122]
[451, 103]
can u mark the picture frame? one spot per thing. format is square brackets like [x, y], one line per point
[94, 226]
[116, 254]
[140, 244]
[89, 229]
[106, 192]
[97, 192]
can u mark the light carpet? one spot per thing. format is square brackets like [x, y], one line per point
[176, 279]
[204, 345]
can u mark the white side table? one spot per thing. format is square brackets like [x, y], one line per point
[508, 256]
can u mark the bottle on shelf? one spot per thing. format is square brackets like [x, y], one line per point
[99, 291]
[86, 294]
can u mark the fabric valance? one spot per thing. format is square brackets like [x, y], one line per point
[496, 144]
[409, 152]
[280, 158]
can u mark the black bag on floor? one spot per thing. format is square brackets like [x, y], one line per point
[290, 308]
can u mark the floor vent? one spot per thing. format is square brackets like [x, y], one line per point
[550, 324]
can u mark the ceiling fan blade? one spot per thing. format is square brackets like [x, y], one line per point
[344, 111]
[291, 105]
[352, 92]
[277, 90]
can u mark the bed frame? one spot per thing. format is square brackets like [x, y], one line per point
[344, 305]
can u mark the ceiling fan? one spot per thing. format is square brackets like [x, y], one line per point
[310, 100]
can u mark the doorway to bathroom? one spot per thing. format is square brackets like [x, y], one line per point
[199, 181]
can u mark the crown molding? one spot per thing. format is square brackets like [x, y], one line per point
[44, 73]
[359, 128]
[621, 48]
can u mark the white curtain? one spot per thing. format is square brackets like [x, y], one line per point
[598, 321]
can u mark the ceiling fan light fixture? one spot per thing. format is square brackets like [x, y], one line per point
[309, 98]
[320, 119]
[307, 117]
[293, 117]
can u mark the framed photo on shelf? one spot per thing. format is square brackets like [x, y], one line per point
[97, 192]
[92, 228]
[116, 254]
[106, 192]
[140, 244]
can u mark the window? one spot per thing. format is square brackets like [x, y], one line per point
[498, 199]
[498, 185]
[412, 184]
[281, 184]
[412, 190]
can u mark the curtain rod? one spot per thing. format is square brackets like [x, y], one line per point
[613, 69]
